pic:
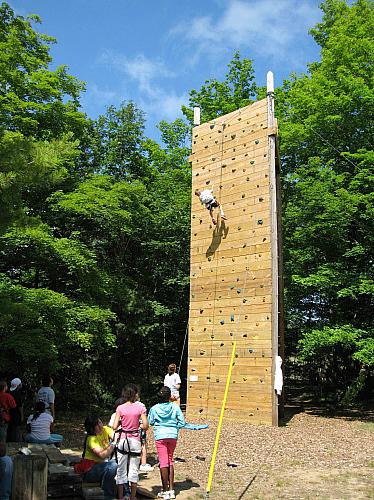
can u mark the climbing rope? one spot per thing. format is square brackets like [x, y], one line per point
[184, 344]
[216, 272]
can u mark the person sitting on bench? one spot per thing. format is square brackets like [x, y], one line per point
[40, 425]
[97, 448]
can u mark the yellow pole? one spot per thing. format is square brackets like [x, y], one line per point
[218, 433]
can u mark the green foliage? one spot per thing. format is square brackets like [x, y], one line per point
[26, 164]
[34, 100]
[117, 147]
[95, 217]
[328, 187]
[45, 329]
[34, 257]
[218, 98]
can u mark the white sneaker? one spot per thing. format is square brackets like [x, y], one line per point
[171, 494]
[145, 468]
[164, 495]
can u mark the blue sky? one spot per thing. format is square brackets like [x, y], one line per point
[155, 52]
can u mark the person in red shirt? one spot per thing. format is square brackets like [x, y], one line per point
[6, 403]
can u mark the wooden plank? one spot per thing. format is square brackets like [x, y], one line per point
[274, 249]
[238, 247]
[214, 157]
[244, 139]
[209, 292]
[234, 301]
[54, 455]
[247, 162]
[22, 477]
[247, 326]
[255, 361]
[254, 179]
[241, 343]
[29, 477]
[230, 272]
[236, 199]
[238, 255]
[206, 238]
[252, 123]
[247, 121]
[249, 376]
[230, 118]
[213, 410]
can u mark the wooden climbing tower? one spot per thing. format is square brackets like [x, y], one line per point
[236, 290]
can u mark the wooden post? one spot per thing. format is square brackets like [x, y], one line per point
[30, 475]
[274, 238]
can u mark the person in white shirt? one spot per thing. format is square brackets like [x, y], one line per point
[173, 381]
[40, 425]
[47, 395]
[207, 198]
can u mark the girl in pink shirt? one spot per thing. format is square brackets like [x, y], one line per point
[129, 446]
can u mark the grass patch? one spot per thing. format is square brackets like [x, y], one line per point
[295, 462]
[280, 483]
[367, 426]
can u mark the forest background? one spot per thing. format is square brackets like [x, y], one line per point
[95, 219]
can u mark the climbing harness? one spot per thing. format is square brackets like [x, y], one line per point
[122, 450]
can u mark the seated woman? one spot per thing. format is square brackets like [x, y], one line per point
[96, 449]
[40, 425]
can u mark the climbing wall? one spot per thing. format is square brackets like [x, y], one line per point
[233, 274]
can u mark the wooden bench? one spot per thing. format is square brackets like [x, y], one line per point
[47, 473]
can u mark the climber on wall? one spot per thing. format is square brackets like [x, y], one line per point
[207, 198]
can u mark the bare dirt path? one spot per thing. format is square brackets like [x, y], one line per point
[312, 456]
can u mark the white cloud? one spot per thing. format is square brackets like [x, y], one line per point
[165, 106]
[149, 76]
[100, 96]
[265, 26]
[141, 69]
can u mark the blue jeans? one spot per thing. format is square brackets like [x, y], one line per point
[6, 473]
[104, 472]
[53, 438]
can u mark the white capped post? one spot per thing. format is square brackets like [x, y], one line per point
[270, 82]
[196, 115]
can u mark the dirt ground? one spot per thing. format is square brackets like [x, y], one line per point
[312, 455]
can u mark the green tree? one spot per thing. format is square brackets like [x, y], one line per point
[326, 134]
[33, 99]
[118, 144]
[217, 98]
